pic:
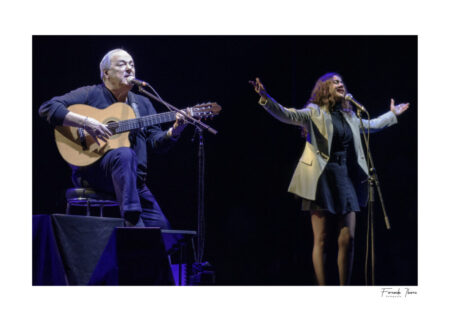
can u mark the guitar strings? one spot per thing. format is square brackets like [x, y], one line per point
[148, 120]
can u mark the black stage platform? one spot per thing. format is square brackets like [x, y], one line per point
[81, 250]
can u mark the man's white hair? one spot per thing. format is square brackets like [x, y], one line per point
[105, 64]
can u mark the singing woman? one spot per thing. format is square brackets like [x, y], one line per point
[331, 174]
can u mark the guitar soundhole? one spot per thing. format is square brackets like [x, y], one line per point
[112, 126]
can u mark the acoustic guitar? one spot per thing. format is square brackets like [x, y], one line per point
[78, 148]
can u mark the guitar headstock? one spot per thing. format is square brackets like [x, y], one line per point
[205, 110]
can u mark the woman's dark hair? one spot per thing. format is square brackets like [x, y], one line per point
[322, 94]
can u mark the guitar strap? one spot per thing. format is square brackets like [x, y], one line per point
[134, 104]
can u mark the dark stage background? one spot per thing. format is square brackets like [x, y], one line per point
[255, 234]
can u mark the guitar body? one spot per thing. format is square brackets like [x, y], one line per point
[68, 139]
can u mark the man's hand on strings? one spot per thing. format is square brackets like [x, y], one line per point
[97, 130]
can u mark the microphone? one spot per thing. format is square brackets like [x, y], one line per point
[349, 97]
[132, 80]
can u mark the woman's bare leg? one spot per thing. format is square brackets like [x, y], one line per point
[319, 227]
[346, 234]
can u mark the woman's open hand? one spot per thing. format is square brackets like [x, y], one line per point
[398, 109]
[259, 87]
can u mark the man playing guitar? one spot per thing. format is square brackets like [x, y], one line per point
[122, 170]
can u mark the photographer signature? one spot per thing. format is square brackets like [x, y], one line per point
[397, 292]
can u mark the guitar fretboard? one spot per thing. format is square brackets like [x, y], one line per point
[130, 124]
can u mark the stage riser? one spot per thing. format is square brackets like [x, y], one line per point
[100, 251]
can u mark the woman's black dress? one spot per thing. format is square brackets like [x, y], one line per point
[335, 191]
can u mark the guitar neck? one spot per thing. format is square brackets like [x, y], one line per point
[145, 121]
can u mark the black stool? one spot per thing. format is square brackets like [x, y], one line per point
[88, 198]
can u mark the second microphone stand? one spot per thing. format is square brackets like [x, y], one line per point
[373, 182]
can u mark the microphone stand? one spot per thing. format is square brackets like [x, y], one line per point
[199, 127]
[201, 224]
[373, 182]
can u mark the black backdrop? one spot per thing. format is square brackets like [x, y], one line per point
[256, 234]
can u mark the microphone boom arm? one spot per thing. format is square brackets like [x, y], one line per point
[194, 121]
